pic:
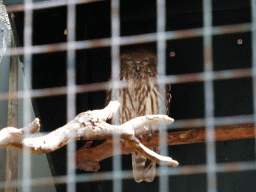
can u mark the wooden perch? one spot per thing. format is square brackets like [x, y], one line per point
[88, 159]
[90, 125]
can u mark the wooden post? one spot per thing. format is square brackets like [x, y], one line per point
[11, 173]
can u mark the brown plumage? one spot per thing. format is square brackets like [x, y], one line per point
[138, 67]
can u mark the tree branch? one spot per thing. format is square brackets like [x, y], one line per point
[90, 125]
[89, 157]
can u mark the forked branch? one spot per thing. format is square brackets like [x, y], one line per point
[90, 125]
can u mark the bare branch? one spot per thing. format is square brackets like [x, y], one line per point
[33, 127]
[90, 125]
[139, 123]
[149, 154]
[196, 135]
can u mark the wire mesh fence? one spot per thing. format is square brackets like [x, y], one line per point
[216, 87]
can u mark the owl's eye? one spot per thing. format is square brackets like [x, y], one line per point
[145, 61]
[129, 61]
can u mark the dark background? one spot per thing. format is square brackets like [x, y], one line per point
[232, 97]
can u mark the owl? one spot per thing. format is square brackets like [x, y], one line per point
[139, 68]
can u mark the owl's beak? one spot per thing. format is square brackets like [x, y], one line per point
[137, 67]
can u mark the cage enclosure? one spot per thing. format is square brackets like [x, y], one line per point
[71, 50]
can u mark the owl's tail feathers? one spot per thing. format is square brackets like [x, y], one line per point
[143, 168]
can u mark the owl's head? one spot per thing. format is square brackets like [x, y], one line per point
[138, 64]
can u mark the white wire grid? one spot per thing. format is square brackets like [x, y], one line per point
[208, 76]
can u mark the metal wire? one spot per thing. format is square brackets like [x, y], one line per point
[209, 98]
[172, 79]
[27, 87]
[253, 15]
[71, 95]
[161, 68]
[115, 76]
[104, 176]
[129, 40]
[47, 5]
